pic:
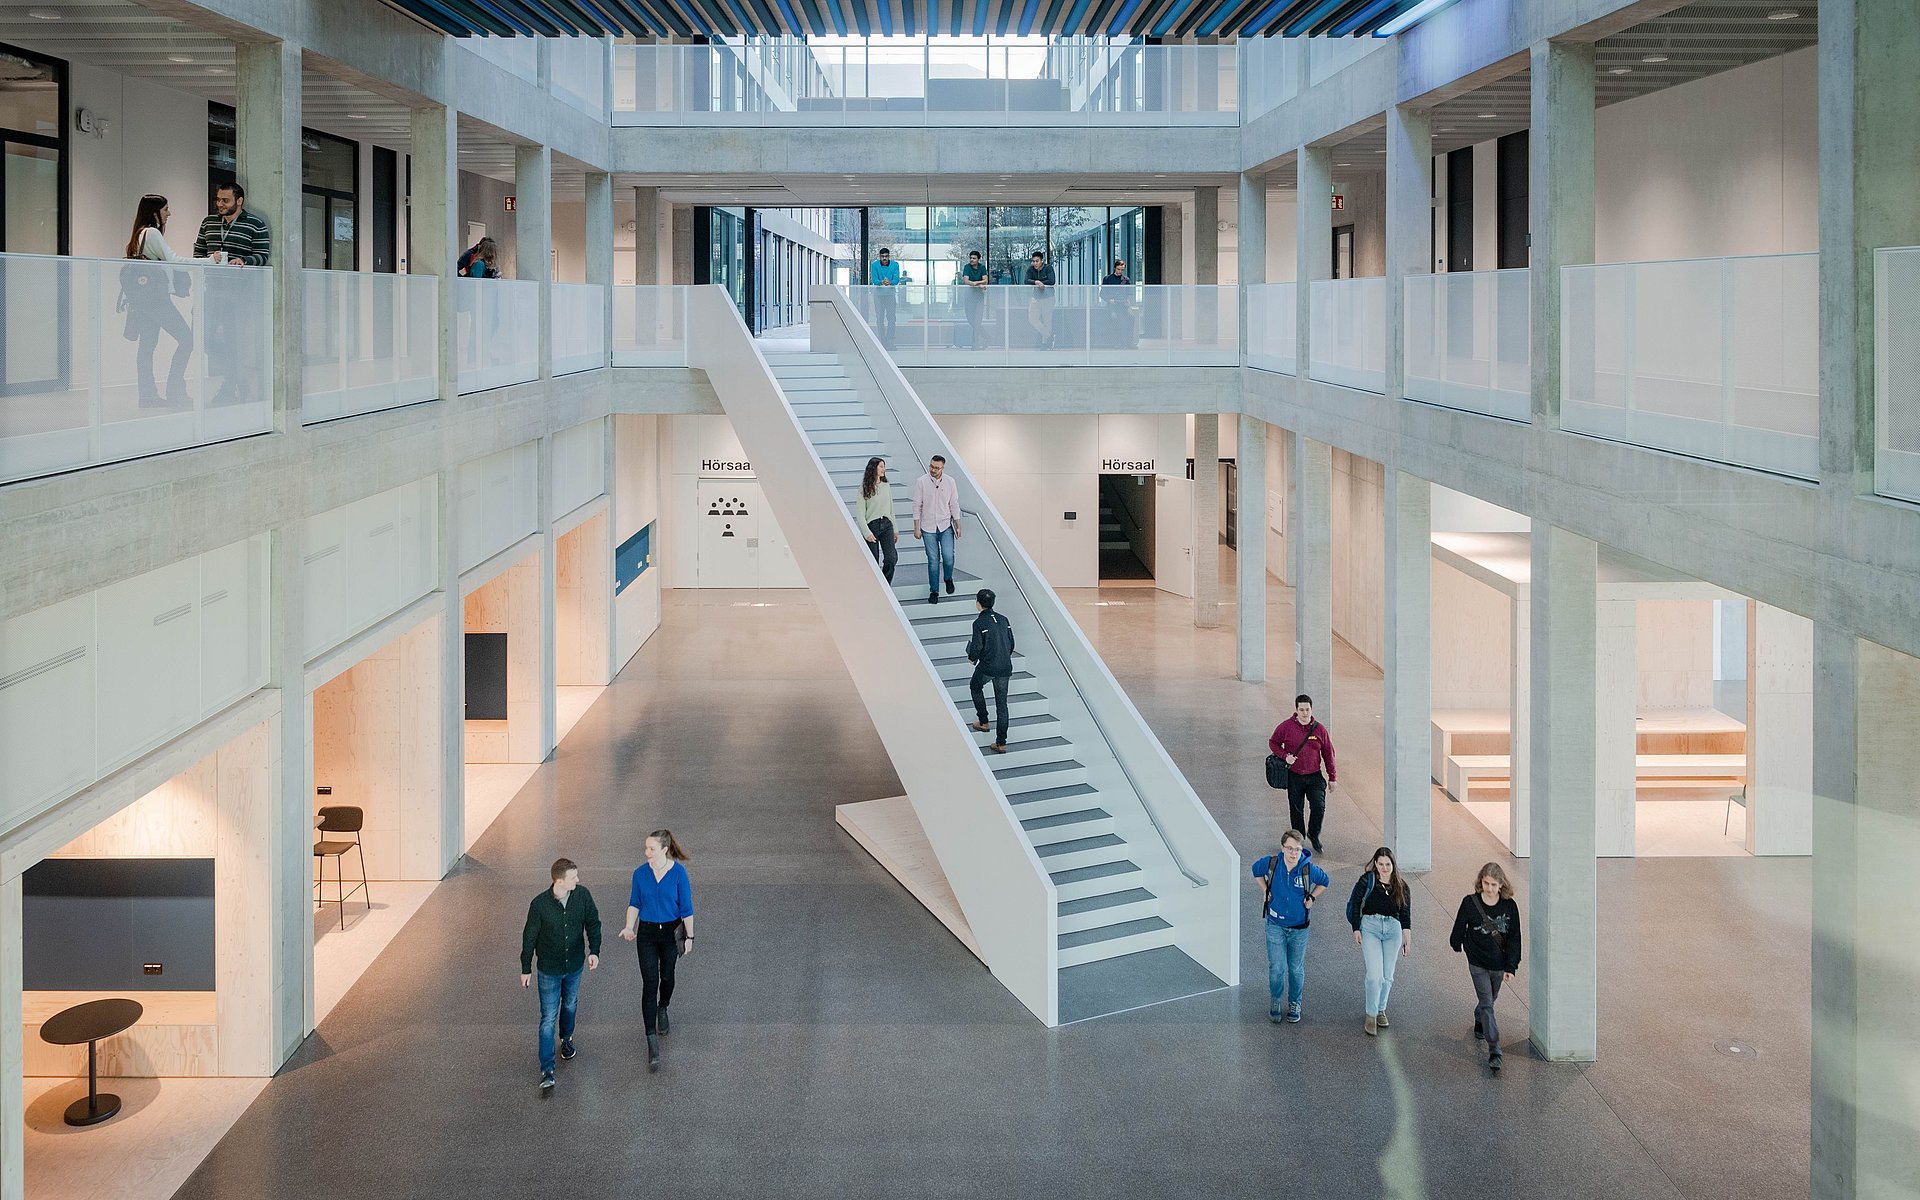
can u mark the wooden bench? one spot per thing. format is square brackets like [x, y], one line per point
[1650, 770]
[1478, 732]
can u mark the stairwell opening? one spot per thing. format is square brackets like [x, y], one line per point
[1126, 530]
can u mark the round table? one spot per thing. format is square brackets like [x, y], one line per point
[89, 1023]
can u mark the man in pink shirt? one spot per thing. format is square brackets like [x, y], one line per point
[1308, 750]
[936, 522]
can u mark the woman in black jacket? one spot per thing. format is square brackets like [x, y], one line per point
[1381, 913]
[1487, 928]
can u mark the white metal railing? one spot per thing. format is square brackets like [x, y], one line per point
[103, 360]
[1467, 341]
[1073, 325]
[1349, 333]
[1896, 364]
[1273, 333]
[496, 332]
[1715, 358]
[577, 327]
[369, 343]
[650, 326]
[577, 72]
[952, 81]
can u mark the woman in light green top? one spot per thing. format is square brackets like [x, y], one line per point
[876, 514]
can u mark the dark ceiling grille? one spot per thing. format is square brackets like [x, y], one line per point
[913, 18]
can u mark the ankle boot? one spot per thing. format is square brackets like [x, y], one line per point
[653, 1052]
[660, 1022]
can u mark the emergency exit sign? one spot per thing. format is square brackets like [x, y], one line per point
[509, 201]
[1339, 202]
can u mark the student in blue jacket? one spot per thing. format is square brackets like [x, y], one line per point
[660, 919]
[1292, 882]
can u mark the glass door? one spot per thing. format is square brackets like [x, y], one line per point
[33, 220]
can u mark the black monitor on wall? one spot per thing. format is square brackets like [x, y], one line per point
[486, 677]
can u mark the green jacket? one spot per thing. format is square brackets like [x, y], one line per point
[878, 505]
[553, 932]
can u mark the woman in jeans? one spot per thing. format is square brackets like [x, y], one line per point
[1379, 911]
[660, 919]
[876, 516]
[1487, 928]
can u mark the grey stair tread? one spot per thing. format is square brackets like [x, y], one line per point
[1105, 870]
[957, 659]
[1107, 933]
[1052, 793]
[1072, 818]
[1043, 743]
[965, 704]
[934, 620]
[1086, 904]
[963, 682]
[1102, 842]
[1030, 770]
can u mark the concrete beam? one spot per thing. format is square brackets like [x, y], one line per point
[758, 152]
[1560, 199]
[1251, 246]
[646, 236]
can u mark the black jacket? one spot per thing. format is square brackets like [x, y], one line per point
[1490, 936]
[994, 660]
[1363, 888]
[555, 933]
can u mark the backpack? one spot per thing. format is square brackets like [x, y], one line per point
[1306, 887]
[466, 259]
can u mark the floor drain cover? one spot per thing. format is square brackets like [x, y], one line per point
[1737, 1049]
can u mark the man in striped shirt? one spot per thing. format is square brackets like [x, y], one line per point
[232, 235]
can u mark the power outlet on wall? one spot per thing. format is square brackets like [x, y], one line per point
[150, 969]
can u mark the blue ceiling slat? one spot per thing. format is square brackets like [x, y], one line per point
[1076, 12]
[1006, 17]
[1224, 15]
[907, 15]
[1027, 15]
[441, 17]
[838, 18]
[886, 18]
[1168, 17]
[980, 17]
[1121, 18]
[1300, 25]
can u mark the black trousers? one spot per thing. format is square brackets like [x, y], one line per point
[659, 947]
[885, 547]
[1001, 685]
[884, 316]
[1307, 790]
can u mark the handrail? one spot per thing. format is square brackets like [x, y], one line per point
[1146, 802]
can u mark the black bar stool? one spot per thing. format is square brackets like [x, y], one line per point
[340, 818]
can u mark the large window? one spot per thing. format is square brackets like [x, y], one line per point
[329, 186]
[33, 184]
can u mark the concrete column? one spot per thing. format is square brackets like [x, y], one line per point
[1250, 552]
[1310, 538]
[549, 615]
[1562, 927]
[1408, 789]
[13, 1093]
[646, 236]
[288, 895]
[1520, 760]
[1206, 520]
[267, 161]
[1313, 245]
[1206, 235]
[682, 245]
[1173, 258]
[1779, 713]
[453, 671]
[600, 247]
[533, 232]
[1252, 246]
[433, 237]
[1869, 160]
[1560, 200]
[1866, 832]
[1409, 225]
[1616, 705]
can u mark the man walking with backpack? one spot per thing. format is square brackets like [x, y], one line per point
[1292, 882]
[990, 650]
[1306, 748]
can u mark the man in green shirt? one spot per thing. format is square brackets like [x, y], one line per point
[973, 294]
[563, 929]
[876, 516]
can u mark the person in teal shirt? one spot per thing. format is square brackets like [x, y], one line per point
[884, 274]
[876, 516]
[973, 293]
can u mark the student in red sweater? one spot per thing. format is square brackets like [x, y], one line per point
[1307, 748]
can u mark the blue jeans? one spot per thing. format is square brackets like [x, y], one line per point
[939, 551]
[1286, 965]
[559, 997]
[1380, 946]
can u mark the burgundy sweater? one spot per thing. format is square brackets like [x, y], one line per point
[1311, 744]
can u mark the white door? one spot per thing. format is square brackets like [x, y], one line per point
[728, 540]
[1173, 534]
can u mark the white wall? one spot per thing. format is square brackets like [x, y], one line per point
[695, 446]
[569, 241]
[156, 142]
[1721, 166]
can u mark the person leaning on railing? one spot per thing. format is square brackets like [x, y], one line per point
[146, 297]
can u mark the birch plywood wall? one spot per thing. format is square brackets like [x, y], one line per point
[510, 604]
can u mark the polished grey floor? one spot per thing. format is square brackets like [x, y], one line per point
[830, 1039]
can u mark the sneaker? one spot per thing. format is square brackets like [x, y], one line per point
[1372, 1025]
[1479, 1034]
[933, 597]
[567, 1051]
[546, 1081]
[1293, 1014]
[1380, 1018]
[1493, 1060]
[1274, 1017]
[949, 586]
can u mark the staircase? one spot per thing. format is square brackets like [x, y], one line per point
[1059, 776]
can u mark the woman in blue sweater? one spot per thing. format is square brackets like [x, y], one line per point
[660, 919]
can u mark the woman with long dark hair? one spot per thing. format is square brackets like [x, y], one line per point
[660, 919]
[146, 296]
[1487, 928]
[876, 516]
[1380, 912]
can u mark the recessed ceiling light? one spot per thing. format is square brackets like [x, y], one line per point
[1486, 116]
[218, 71]
[1343, 164]
[1621, 71]
[356, 116]
[44, 14]
[1653, 58]
[180, 58]
[1778, 14]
